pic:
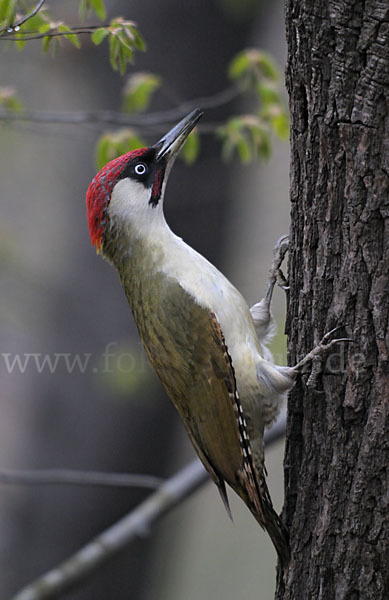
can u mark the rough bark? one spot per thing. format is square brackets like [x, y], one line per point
[337, 439]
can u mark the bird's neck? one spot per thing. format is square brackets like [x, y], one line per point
[138, 253]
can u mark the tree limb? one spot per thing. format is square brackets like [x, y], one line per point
[72, 477]
[135, 524]
[114, 118]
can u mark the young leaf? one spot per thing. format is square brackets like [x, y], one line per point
[139, 90]
[44, 27]
[103, 151]
[20, 43]
[252, 66]
[239, 65]
[115, 144]
[46, 43]
[99, 8]
[9, 100]
[96, 5]
[99, 35]
[138, 40]
[7, 12]
[73, 38]
[268, 93]
[260, 138]
[248, 136]
[279, 121]
[82, 9]
[124, 56]
[113, 51]
[124, 39]
[244, 150]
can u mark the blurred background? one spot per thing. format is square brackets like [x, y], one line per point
[59, 297]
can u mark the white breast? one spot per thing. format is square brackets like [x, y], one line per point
[211, 289]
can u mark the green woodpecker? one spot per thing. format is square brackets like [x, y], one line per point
[206, 346]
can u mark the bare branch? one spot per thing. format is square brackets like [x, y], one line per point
[16, 26]
[136, 524]
[71, 477]
[123, 119]
[21, 37]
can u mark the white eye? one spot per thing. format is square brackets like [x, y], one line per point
[140, 169]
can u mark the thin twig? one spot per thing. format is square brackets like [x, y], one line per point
[24, 19]
[136, 524]
[40, 36]
[71, 477]
[123, 119]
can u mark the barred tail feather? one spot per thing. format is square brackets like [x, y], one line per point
[269, 520]
[277, 532]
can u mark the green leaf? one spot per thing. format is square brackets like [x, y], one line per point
[40, 22]
[44, 28]
[244, 151]
[103, 151]
[99, 8]
[268, 66]
[190, 150]
[138, 40]
[20, 43]
[124, 39]
[7, 12]
[73, 38]
[247, 136]
[82, 9]
[264, 149]
[14, 105]
[280, 124]
[256, 71]
[127, 42]
[9, 100]
[99, 35]
[252, 66]
[239, 65]
[96, 5]
[112, 145]
[139, 90]
[46, 43]
[19, 40]
[268, 93]
[113, 51]
[123, 59]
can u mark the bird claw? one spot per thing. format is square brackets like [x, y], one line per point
[281, 247]
[282, 282]
[279, 251]
[275, 274]
[316, 355]
[261, 311]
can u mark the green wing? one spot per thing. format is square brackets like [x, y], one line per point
[186, 347]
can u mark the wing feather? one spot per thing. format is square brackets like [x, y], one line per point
[186, 347]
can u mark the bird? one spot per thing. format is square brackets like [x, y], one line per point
[207, 347]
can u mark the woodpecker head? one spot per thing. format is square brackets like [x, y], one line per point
[129, 189]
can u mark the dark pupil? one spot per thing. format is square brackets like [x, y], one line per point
[140, 169]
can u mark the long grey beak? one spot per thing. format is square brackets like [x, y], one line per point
[170, 144]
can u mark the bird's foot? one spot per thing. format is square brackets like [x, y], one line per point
[316, 355]
[275, 274]
[261, 312]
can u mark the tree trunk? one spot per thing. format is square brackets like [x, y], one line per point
[337, 438]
